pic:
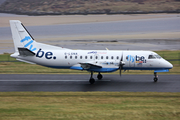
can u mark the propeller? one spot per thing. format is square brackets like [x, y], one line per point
[121, 63]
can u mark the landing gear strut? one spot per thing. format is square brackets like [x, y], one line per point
[155, 77]
[99, 76]
[91, 80]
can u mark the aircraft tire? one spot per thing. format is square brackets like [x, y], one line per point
[155, 79]
[92, 81]
[99, 76]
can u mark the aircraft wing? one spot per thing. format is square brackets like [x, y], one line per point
[89, 65]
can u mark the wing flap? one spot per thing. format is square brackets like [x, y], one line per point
[89, 66]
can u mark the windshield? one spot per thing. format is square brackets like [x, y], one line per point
[151, 57]
[156, 56]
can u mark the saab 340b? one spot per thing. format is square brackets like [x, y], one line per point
[30, 51]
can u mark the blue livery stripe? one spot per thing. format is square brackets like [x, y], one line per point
[28, 43]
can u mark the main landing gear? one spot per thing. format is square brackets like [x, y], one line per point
[155, 77]
[92, 80]
[99, 76]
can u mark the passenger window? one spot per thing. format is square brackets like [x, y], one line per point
[75, 57]
[117, 57]
[80, 57]
[65, 57]
[151, 57]
[106, 57]
[90, 57]
[101, 57]
[70, 57]
[85, 57]
[96, 57]
[112, 57]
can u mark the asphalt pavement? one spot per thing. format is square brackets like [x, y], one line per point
[72, 82]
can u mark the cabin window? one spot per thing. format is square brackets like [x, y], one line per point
[106, 57]
[75, 57]
[80, 57]
[90, 57]
[85, 57]
[112, 57]
[65, 57]
[96, 57]
[151, 57]
[70, 57]
[117, 57]
[101, 57]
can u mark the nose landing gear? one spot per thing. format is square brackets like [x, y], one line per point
[155, 77]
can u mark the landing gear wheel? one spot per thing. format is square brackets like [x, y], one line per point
[91, 80]
[99, 76]
[155, 79]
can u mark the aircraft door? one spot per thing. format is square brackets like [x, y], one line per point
[130, 59]
[132, 63]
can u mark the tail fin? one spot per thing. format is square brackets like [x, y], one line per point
[21, 37]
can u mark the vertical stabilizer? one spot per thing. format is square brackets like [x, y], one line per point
[21, 37]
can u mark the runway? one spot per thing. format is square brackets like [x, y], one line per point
[71, 82]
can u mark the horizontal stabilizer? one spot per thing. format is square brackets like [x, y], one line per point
[25, 61]
[25, 52]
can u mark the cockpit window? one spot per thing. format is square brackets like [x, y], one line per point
[151, 57]
[154, 56]
[157, 56]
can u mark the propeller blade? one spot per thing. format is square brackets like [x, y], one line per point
[120, 65]
[120, 71]
[122, 57]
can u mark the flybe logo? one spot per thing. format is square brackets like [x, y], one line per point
[48, 55]
[29, 43]
[137, 59]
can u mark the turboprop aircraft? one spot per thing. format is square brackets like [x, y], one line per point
[30, 51]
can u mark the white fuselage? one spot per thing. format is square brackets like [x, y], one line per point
[109, 60]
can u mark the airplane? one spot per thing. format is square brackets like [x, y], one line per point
[100, 61]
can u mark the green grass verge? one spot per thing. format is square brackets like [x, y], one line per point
[24, 68]
[89, 105]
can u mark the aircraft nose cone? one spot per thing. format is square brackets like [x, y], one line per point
[169, 65]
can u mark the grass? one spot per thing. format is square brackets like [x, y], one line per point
[89, 105]
[24, 68]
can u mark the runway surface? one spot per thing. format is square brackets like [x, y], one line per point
[71, 82]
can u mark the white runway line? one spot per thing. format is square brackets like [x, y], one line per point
[48, 80]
